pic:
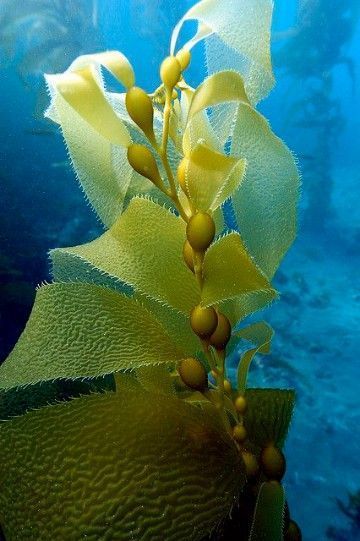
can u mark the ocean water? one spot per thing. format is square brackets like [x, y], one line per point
[315, 108]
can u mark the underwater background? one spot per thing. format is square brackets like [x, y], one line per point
[315, 108]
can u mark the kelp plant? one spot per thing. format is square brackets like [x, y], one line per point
[174, 447]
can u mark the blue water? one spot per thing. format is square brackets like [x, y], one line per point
[315, 108]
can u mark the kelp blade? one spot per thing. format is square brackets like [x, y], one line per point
[82, 330]
[126, 465]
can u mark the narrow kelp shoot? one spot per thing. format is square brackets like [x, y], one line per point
[169, 447]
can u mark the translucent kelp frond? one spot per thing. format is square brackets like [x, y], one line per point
[82, 330]
[266, 201]
[158, 238]
[230, 273]
[241, 29]
[137, 451]
[81, 86]
[260, 335]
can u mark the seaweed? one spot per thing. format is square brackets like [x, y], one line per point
[351, 510]
[119, 417]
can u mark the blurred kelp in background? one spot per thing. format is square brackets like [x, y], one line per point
[38, 36]
[351, 510]
[309, 51]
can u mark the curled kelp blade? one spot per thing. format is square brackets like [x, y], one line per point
[81, 86]
[95, 135]
[135, 458]
[211, 177]
[238, 30]
[83, 330]
[260, 334]
[143, 250]
[266, 202]
[232, 278]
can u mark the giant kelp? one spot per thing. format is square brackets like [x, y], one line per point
[169, 446]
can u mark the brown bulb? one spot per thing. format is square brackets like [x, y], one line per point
[293, 532]
[200, 231]
[140, 109]
[221, 336]
[239, 433]
[193, 374]
[273, 463]
[142, 160]
[203, 321]
[240, 404]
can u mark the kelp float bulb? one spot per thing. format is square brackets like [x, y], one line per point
[142, 160]
[170, 72]
[293, 533]
[193, 374]
[239, 433]
[141, 111]
[273, 462]
[221, 336]
[203, 321]
[241, 404]
[184, 57]
[181, 174]
[200, 231]
[188, 255]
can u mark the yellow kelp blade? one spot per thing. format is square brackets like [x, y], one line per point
[260, 334]
[230, 273]
[222, 87]
[212, 177]
[216, 99]
[237, 35]
[82, 86]
[269, 512]
[125, 465]
[266, 201]
[143, 249]
[199, 129]
[82, 330]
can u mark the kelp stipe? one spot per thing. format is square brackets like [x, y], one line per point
[175, 447]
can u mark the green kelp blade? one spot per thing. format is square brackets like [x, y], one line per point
[260, 334]
[143, 249]
[231, 275]
[125, 465]
[266, 202]
[268, 416]
[82, 330]
[95, 135]
[269, 511]
[236, 29]
[176, 324]
[101, 166]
